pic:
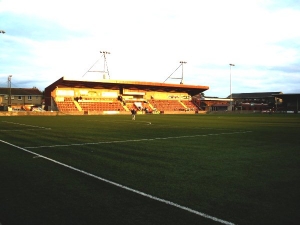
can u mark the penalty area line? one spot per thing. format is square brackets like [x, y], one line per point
[124, 187]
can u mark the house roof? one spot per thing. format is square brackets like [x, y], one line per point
[21, 91]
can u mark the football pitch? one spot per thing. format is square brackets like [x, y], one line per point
[158, 169]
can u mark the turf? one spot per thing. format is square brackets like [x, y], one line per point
[239, 168]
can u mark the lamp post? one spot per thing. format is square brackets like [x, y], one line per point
[9, 90]
[182, 62]
[230, 65]
[104, 55]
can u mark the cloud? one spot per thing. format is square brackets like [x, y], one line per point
[147, 39]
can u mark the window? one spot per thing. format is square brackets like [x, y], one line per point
[11, 97]
[29, 98]
[19, 97]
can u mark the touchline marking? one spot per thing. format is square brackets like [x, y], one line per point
[25, 130]
[125, 187]
[21, 124]
[135, 140]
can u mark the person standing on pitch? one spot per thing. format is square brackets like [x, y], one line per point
[133, 113]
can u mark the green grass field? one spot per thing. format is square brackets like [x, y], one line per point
[233, 169]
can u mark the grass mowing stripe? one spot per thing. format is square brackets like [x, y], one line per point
[124, 187]
[136, 140]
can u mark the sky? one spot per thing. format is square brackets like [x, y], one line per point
[147, 39]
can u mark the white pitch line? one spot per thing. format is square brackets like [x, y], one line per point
[125, 187]
[25, 130]
[135, 140]
[21, 124]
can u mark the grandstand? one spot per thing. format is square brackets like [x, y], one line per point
[251, 102]
[289, 102]
[117, 97]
